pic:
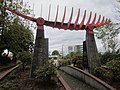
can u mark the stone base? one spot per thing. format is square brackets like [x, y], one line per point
[40, 54]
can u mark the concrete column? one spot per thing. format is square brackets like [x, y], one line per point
[92, 52]
[85, 58]
[40, 50]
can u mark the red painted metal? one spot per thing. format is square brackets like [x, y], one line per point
[69, 22]
[88, 20]
[82, 22]
[22, 15]
[98, 21]
[93, 22]
[76, 21]
[71, 26]
[100, 24]
[63, 17]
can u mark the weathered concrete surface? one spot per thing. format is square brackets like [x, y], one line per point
[92, 52]
[40, 51]
[87, 78]
[85, 58]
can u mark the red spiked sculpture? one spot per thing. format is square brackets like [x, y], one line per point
[41, 44]
[71, 26]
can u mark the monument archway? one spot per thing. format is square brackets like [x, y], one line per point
[41, 43]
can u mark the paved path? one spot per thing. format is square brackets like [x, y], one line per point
[74, 83]
[6, 72]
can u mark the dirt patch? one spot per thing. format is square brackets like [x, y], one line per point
[19, 80]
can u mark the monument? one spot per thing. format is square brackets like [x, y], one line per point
[41, 44]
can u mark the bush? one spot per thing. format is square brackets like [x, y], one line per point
[45, 73]
[7, 86]
[103, 73]
[25, 57]
[114, 66]
[79, 64]
[111, 71]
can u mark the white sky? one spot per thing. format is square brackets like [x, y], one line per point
[57, 37]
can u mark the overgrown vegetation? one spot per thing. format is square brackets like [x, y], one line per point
[110, 68]
[15, 33]
[74, 58]
[46, 73]
[8, 86]
[25, 57]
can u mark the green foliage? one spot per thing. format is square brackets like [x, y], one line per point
[114, 66]
[8, 86]
[108, 34]
[103, 73]
[79, 64]
[73, 57]
[25, 58]
[108, 56]
[12, 76]
[55, 52]
[64, 62]
[15, 33]
[18, 38]
[110, 71]
[45, 73]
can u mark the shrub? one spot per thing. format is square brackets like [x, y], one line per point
[79, 64]
[25, 57]
[12, 76]
[114, 66]
[45, 73]
[8, 86]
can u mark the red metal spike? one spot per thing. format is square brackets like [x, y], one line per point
[100, 24]
[56, 15]
[82, 22]
[49, 12]
[88, 20]
[93, 22]
[109, 21]
[70, 18]
[106, 21]
[98, 21]
[76, 21]
[63, 17]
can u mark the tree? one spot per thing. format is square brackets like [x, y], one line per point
[15, 34]
[18, 38]
[108, 34]
[25, 57]
[55, 52]
[117, 8]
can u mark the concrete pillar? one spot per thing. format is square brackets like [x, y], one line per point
[85, 58]
[92, 52]
[40, 50]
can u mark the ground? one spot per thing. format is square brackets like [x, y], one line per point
[19, 80]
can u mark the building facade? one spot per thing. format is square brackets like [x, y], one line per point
[75, 48]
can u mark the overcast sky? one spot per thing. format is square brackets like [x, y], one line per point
[59, 38]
